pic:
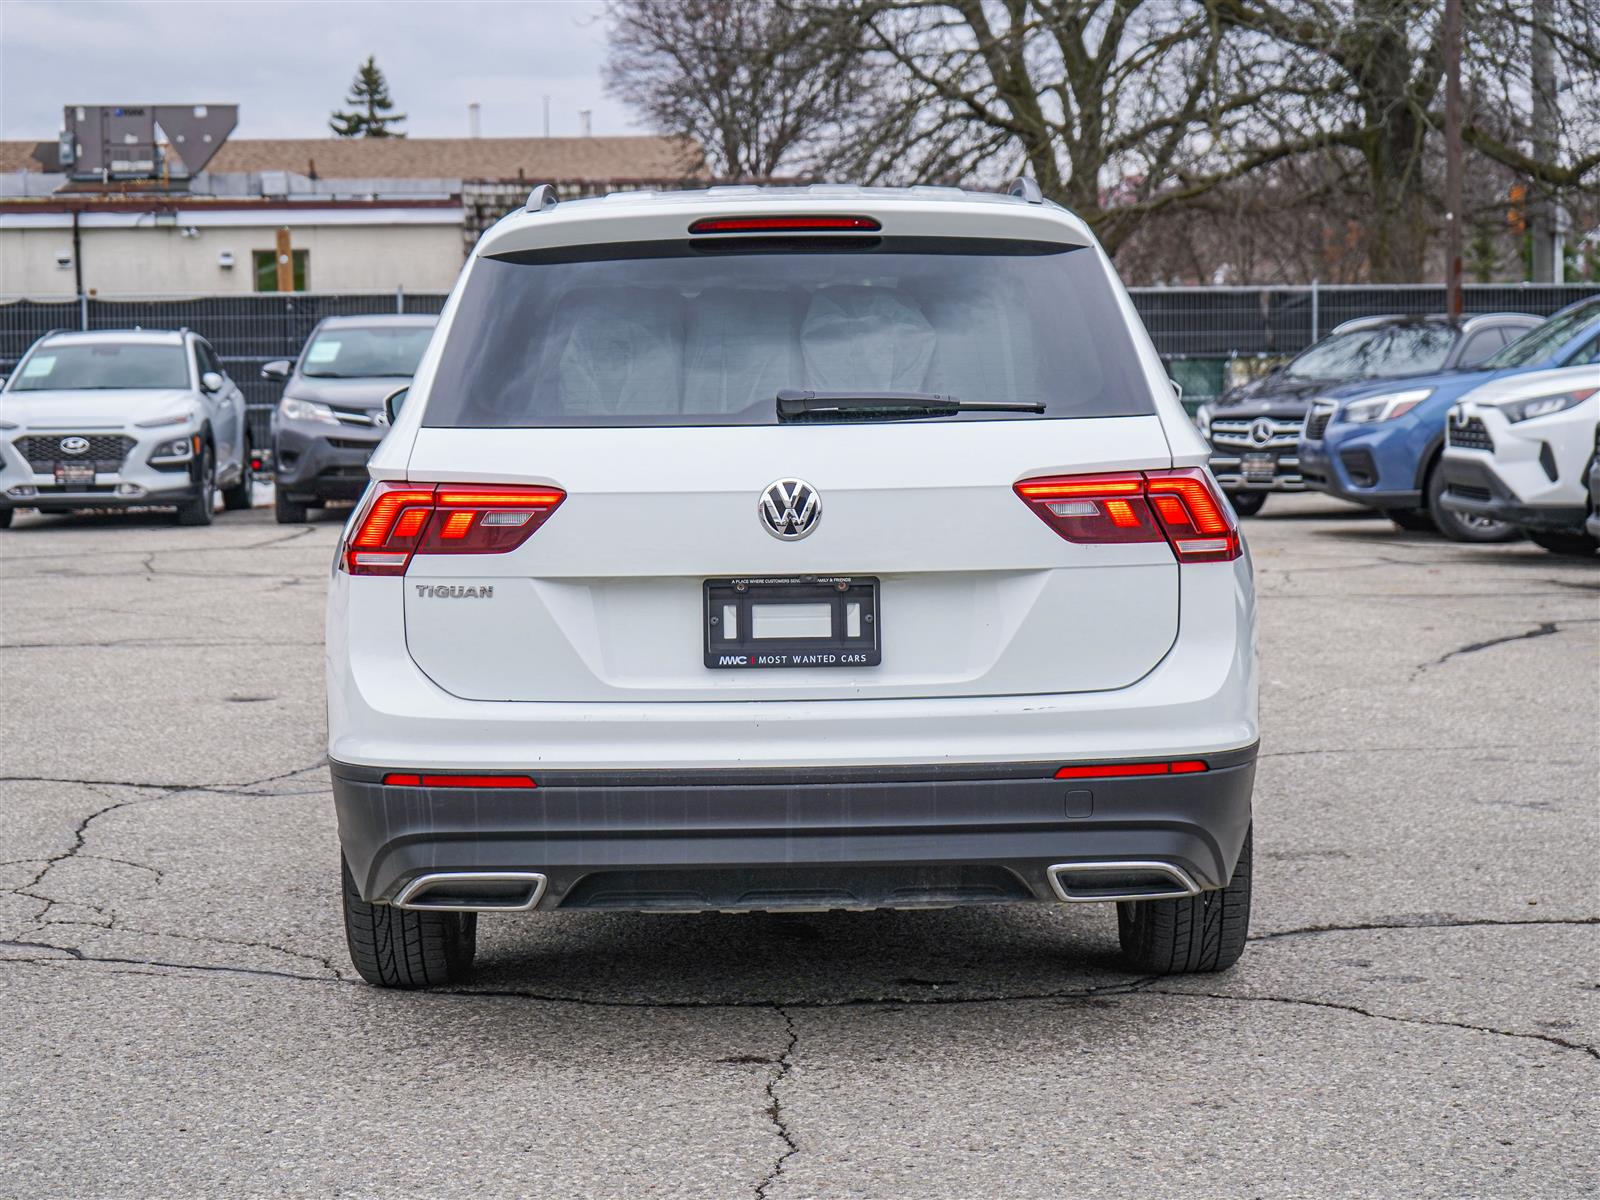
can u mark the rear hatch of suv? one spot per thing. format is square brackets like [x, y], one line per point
[640, 379]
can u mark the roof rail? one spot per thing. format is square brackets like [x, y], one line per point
[541, 199]
[1027, 189]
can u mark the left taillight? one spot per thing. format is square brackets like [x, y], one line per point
[1180, 507]
[399, 520]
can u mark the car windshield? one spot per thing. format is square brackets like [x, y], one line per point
[101, 366]
[1542, 340]
[678, 333]
[1373, 353]
[366, 352]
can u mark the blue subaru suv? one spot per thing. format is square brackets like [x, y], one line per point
[1377, 444]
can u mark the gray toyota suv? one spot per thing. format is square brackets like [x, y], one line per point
[331, 416]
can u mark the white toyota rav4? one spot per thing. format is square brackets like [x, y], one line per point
[791, 548]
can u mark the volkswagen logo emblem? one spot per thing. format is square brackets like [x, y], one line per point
[1261, 430]
[74, 445]
[789, 509]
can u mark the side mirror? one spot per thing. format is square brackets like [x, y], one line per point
[393, 401]
[211, 381]
[277, 370]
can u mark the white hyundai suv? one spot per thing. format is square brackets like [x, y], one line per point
[790, 548]
[123, 417]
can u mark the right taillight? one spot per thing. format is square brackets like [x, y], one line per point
[1178, 506]
[398, 520]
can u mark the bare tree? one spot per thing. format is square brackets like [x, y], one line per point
[1118, 108]
[762, 87]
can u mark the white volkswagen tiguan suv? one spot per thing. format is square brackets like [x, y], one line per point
[791, 548]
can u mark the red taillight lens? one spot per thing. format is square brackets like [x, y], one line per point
[459, 781]
[1180, 507]
[1126, 770]
[1198, 524]
[785, 225]
[400, 520]
[1093, 508]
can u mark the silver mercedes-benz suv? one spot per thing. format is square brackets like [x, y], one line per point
[117, 418]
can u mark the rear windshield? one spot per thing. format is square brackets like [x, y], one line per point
[366, 352]
[101, 366]
[1375, 353]
[707, 334]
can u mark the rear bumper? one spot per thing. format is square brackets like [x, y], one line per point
[800, 838]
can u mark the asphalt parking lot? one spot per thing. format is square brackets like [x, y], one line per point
[1418, 1014]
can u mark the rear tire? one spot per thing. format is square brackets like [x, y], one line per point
[1247, 504]
[1412, 520]
[1459, 527]
[202, 508]
[1574, 545]
[1196, 934]
[286, 511]
[397, 948]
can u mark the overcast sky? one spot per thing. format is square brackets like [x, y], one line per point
[288, 63]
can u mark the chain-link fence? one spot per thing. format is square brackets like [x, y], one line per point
[246, 331]
[1198, 331]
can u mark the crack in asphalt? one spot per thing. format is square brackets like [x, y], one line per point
[1542, 629]
[1142, 987]
[219, 789]
[1356, 1009]
[80, 832]
[1422, 921]
[774, 1108]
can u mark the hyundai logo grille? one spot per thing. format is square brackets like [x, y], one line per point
[789, 509]
[74, 445]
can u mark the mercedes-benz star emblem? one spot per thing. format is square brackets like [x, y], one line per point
[74, 445]
[1261, 431]
[789, 509]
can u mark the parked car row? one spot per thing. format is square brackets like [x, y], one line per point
[1363, 415]
[149, 418]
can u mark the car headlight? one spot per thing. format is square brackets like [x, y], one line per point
[306, 410]
[178, 450]
[1544, 406]
[172, 419]
[1384, 408]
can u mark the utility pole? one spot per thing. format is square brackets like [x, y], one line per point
[1542, 87]
[285, 255]
[1452, 155]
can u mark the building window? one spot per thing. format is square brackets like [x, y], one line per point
[266, 262]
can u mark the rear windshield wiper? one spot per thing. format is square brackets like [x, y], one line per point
[799, 406]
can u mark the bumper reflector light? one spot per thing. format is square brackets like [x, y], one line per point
[1189, 766]
[458, 781]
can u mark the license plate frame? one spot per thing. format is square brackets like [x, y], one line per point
[739, 650]
[74, 474]
[1259, 466]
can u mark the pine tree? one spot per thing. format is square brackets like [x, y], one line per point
[370, 102]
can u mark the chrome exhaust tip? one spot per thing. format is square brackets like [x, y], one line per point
[472, 891]
[1086, 882]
